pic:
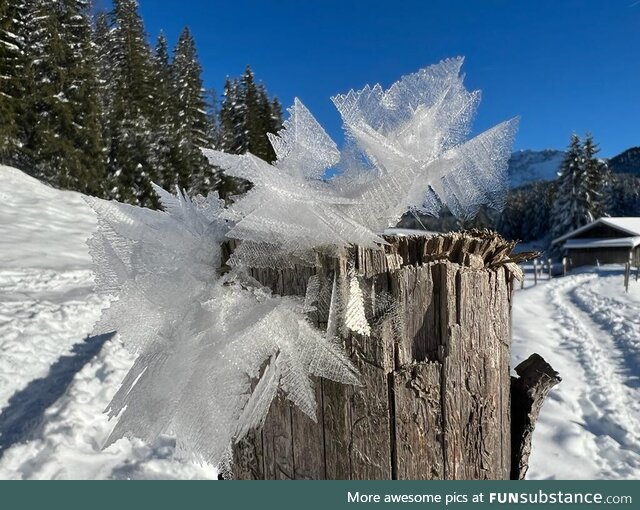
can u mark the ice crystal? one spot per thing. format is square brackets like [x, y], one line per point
[290, 210]
[212, 351]
[355, 315]
[214, 346]
[410, 150]
[406, 151]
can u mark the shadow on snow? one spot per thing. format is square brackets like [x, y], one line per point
[26, 408]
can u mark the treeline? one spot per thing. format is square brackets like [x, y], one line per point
[87, 104]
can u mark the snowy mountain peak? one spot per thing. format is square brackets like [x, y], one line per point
[526, 166]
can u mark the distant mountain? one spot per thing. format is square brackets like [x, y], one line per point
[627, 162]
[529, 166]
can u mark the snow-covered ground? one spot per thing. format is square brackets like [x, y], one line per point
[55, 381]
[588, 329]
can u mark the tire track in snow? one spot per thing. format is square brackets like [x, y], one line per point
[609, 404]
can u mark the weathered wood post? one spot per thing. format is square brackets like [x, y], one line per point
[627, 274]
[435, 400]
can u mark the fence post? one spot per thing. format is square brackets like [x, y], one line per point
[564, 266]
[549, 268]
[627, 273]
[434, 401]
[535, 271]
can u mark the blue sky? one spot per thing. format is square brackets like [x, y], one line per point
[562, 66]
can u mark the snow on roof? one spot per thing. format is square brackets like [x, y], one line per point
[621, 242]
[629, 225]
[401, 232]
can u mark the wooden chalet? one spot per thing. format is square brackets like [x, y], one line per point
[604, 241]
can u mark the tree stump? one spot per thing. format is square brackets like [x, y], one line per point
[436, 386]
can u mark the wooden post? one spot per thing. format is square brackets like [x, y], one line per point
[627, 274]
[549, 267]
[535, 271]
[528, 391]
[564, 266]
[435, 400]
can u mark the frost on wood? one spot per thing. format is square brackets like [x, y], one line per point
[406, 151]
[290, 210]
[214, 346]
[212, 352]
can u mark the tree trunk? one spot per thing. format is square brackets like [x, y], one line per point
[435, 400]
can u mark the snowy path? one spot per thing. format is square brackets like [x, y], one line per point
[591, 426]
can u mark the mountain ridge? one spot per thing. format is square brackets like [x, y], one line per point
[528, 166]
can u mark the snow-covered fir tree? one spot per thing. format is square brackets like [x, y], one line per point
[130, 163]
[572, 206]
[246, 116]
[12, 60]
[164, 115]
[192, 127]
[55, 108]
[597, 179]
[94, 109]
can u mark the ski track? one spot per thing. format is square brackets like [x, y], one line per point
[604, 335]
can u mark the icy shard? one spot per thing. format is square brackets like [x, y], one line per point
[412, 137]
[212, 351]
[406, 150]
[291, 210]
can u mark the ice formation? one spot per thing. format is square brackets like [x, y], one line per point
[291, 210]
[406, 151]
[212, 351]
[214, 346]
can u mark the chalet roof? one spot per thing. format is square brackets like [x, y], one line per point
[628, 225]
[621, 242]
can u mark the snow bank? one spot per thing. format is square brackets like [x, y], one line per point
[54, 382]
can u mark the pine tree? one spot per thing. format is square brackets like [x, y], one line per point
[104, 76]
[572, 207]
[246, 116]
[192, 128]
[276, 116]
[130, 164]
[84, 100]
[233, 134]
[597, 179]
[59, 119]
[163, 150]
[233, 129]
[12, 59]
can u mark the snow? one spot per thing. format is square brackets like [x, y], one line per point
[616, 242]
[54, 385]
[54, 382]
[588, 329]
[630, 225]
